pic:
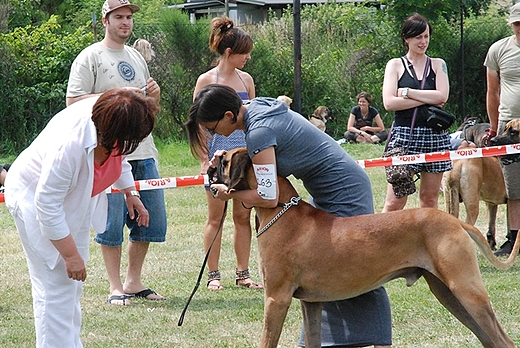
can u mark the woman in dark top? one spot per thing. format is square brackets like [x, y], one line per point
[402, 94]
[360, 126]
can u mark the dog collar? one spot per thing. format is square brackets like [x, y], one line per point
[294, 201]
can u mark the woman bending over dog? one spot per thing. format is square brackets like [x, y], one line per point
[281, 142]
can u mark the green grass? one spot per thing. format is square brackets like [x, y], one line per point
[233, 317]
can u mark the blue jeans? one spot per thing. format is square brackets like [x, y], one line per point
[153, 201]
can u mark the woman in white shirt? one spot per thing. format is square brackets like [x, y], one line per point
[55, 192]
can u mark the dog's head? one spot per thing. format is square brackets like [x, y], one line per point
[469, 121]
[235, 170]
[285, 99]
[510, 135]
[322, 113]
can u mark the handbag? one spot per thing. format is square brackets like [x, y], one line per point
[399, 176]
[439, 119]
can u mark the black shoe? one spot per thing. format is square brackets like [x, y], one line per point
[505, 249]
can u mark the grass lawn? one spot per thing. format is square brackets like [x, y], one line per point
[233, 317]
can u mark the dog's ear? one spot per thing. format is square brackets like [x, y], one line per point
[241, 176]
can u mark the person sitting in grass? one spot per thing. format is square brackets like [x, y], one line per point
[360, 126]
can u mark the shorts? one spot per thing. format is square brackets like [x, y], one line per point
[511, 171]
[153, 201]
[422, 140]
[221, 142]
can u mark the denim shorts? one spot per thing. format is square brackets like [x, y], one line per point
[153, 200]
[510, 170]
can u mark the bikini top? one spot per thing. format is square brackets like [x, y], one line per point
[243, 95]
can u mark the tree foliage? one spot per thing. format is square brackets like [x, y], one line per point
[450, 10]
[345, 48]
[35, 67]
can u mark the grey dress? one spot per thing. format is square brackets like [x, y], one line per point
[338, 185]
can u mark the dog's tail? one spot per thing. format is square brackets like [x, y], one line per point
[483, 245]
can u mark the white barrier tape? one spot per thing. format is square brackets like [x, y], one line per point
[163, 183]
[465, 153]
[153, 184]
[184, 181]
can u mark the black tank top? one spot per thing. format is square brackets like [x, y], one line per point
[404, 117]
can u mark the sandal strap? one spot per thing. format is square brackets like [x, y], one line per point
[213, 275]
[242, 274]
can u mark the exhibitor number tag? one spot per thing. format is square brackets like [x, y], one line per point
[266, 179]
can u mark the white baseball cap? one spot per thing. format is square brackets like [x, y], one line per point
[111, 5]
[514, 14]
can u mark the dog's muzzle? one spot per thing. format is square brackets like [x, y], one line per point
[216, 175]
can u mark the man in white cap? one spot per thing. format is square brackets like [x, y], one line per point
[98, 68]
[503, 105]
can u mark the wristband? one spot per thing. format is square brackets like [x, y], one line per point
[133, 193]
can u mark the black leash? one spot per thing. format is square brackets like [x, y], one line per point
[181, 319]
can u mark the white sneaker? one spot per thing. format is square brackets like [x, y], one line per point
[341, 141]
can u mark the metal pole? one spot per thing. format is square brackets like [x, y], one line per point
[94, 26]
[297, 101]
[462, 62]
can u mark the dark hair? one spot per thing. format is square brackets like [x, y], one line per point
[210, 105]
[414, 26]
[365, 95]
[224, 35]
[123, 118]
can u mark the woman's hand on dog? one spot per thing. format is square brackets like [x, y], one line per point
[216, 158]
[221, 191]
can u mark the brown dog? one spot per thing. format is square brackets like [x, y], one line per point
[299, 246]
[473, 180]
[319, 118]
[510, 135]
[470, 181]
[475, 133]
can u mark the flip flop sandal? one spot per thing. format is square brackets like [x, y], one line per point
[145, 293]
[242, 275]
[118, 298]
[214, 275]
[214, 286]
[250, 285]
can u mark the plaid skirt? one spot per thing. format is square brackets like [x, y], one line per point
[422, 140]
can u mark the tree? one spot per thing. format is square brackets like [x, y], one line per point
[433, 9]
